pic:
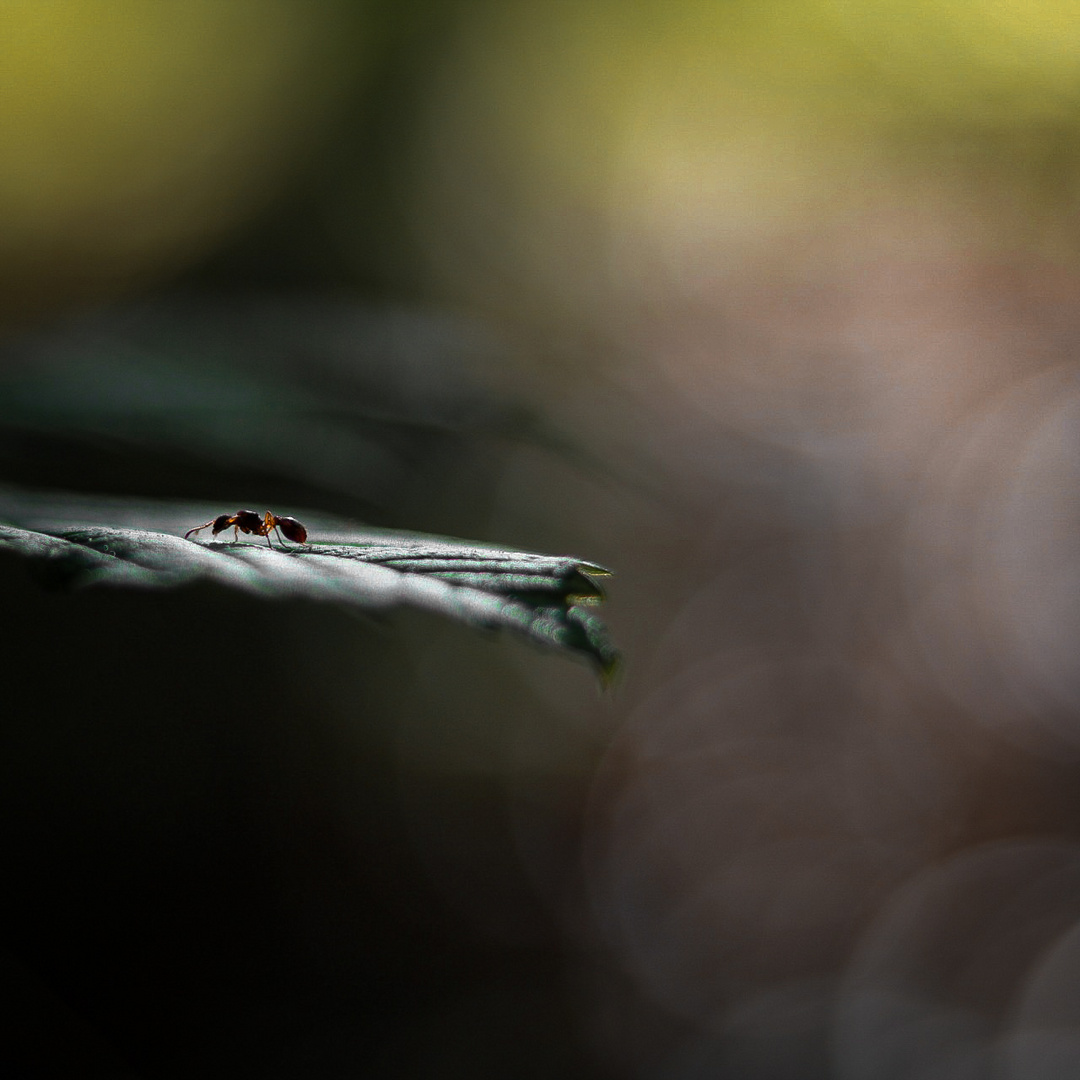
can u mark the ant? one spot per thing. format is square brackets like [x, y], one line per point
[247, 521]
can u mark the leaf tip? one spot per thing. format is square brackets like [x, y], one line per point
[594, 570]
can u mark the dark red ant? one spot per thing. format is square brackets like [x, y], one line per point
[247, 521]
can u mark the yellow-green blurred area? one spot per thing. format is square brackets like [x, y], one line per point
[135, 136]
[559, 135]
[773, 309]
[139, 136]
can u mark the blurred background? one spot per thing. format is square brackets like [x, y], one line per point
[772, 308]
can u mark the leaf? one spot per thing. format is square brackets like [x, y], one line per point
[84, 541]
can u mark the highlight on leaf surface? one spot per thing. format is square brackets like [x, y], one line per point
[81, 541]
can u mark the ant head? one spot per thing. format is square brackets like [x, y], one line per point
[221, 523]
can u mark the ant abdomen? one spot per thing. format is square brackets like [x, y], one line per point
[292, 529]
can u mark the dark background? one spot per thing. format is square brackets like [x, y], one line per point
[769, 307]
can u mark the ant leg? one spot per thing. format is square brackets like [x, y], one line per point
[267, 527]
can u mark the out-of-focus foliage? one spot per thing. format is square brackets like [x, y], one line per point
[177, 393]
[576, 157]
[136, 136]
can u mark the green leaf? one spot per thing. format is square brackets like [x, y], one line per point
[80, 541]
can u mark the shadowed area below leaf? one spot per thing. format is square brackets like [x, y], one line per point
[81, 541]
